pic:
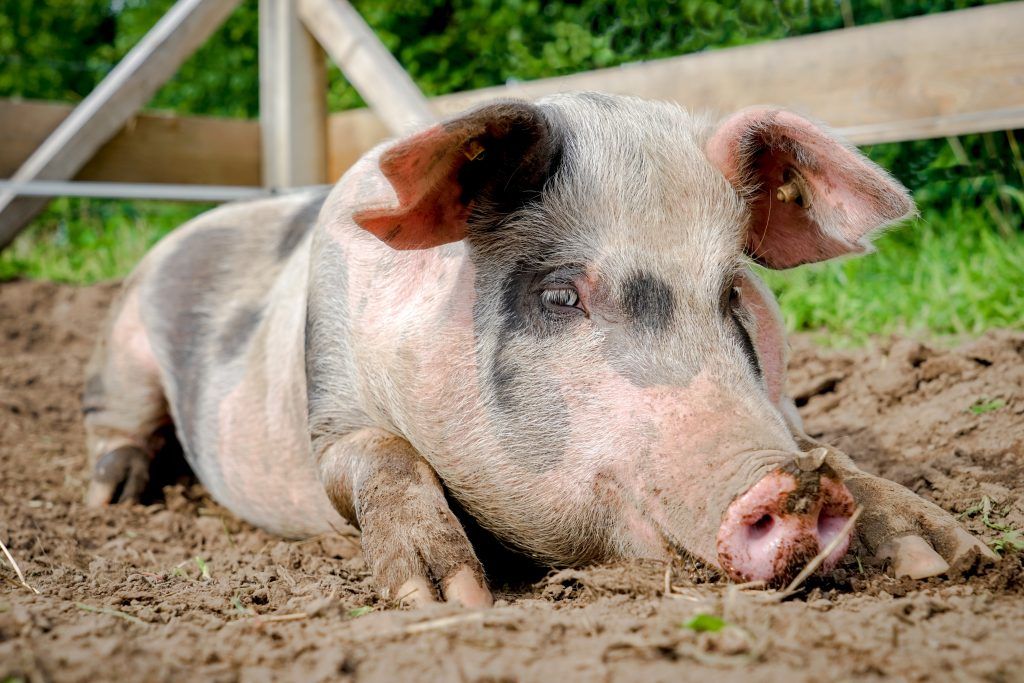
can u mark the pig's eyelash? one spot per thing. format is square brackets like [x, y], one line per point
[562, 296]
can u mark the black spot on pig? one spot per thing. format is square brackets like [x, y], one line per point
[190, 281]
[237, 332]
[299, 226]
[522, 148]
[535, 435]
[93, 394]
[326, 341]
[647, 300]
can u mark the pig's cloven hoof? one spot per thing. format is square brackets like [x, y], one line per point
[782, 522]
[918, 538]
[121, 474]
[417, 549]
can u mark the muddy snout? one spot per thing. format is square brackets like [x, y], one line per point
[778, 525]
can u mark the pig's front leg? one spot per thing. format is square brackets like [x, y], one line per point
[918, 537]
[413, 543]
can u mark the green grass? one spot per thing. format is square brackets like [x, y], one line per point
[943, 274]
[1009, 539]
[702, 623]
[957, 272]
[84, 241]
[981, 406]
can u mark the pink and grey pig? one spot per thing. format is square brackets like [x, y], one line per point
[545, 311]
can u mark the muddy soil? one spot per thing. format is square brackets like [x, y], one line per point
[179, 589]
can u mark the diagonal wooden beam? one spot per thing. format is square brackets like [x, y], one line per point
[366, 63]
[129, 86]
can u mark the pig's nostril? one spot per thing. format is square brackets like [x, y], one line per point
[829, 527]
[761, 527]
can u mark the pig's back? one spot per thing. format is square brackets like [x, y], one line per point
[224, 303]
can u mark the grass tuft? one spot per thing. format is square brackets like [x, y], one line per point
[204, 568]
[705, 623]
[1009, 539]
[982, 406]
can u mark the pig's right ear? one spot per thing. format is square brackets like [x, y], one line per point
[811, 196]
[469, 170]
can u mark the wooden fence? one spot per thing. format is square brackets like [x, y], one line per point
[943, 74]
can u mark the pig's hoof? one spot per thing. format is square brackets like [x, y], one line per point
[419, 551]
[918, 538]
[120, 476]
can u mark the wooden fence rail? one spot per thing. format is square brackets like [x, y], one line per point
[943, 74]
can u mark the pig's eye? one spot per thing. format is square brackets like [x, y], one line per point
[730, 299]
[560, 298]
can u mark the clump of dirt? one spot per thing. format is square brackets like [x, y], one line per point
[181, 589]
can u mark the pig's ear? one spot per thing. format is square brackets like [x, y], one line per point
[812, 197]
[469, 170]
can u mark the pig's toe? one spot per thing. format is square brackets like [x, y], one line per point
[119, 476]
[416, 592]
[464, 587]
[420, 552]
[467, 588]
[918, 538]
[918, 557]
[912, 556]
[957, 543]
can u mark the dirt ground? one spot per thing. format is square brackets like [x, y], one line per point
[181, 590]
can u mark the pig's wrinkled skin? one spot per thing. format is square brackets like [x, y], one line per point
[545, 311]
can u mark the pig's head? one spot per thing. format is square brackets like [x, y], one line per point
[628, 365]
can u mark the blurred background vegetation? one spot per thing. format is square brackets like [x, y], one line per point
[957, 269]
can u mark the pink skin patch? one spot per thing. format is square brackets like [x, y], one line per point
[421, 169]
[772, 531]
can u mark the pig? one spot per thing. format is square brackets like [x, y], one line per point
[544, 312]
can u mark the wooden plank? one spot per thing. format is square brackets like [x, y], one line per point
[943, 74]
[1009, 118]
[936, 65]
[293, 99]
[155, 148]
[133, 190]
[350, 134]
[151, 148]
[367, 64]
[106, 109]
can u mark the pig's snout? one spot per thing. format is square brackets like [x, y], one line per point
[782, 522]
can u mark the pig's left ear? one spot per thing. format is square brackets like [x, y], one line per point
[471, 169]
[811, 196]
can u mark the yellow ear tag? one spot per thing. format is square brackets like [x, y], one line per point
[473, 150]
[794, 189]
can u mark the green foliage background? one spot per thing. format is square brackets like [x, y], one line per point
[970, 189]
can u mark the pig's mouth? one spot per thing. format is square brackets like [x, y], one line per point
[781, 523]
